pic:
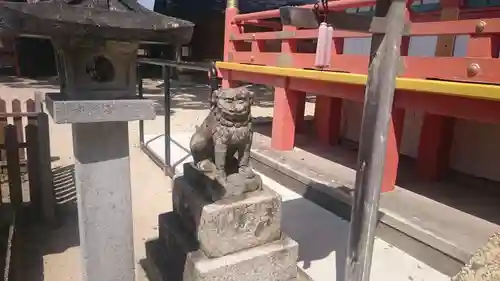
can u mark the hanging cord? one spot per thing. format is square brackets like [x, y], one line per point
[321, 14]
[316, 9]
[324, 3]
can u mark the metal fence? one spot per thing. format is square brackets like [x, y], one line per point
[167, 67]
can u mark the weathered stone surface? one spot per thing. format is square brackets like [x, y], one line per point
[121, 20]
[236, 184]
[225, 133]
[64, 110]
[484, 264]
[159, 268]
[228, 225]
[274, 261]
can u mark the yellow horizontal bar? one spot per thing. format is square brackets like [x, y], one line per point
[468, 90]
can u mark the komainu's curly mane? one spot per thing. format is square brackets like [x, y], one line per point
[226, 131]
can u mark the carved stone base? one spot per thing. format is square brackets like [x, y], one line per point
[274, 261]
[229, 225]
[212, 189]
[237, 238]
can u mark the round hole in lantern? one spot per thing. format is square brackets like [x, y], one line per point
[100, 69]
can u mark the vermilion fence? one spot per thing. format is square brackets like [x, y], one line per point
[443, 86]
[295, 51]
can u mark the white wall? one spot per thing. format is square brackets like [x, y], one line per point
[475, 148]
[148, 4]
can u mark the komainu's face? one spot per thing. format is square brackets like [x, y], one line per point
[234, 102]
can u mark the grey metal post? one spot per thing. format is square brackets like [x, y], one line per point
[140, 94]
[214, 80]
[176, 71]
[166, 96]
[385, 50]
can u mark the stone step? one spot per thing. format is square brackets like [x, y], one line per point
[158, 268]
[274, 261]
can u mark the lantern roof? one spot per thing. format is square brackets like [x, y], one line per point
[121, 20]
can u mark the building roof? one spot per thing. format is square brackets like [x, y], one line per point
[189, 9]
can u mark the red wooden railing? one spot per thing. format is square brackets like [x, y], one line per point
[256, 47]
[260, 39]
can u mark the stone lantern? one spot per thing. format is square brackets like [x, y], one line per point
[96, 43]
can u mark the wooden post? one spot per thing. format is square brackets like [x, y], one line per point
[47, 196]
[328, 110]
[31, 133]
[437, 130]
[3, 123]
[300, 125]
[394, 136]
[289, 105]
[18, 122]
[286, 103]
[13, 166]
[140, 94]
[288, 48]
[328, 119]
[33, 168]
[230, 46]
[166, 73]
[375, 126]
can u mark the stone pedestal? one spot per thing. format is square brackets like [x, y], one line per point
[234, 239]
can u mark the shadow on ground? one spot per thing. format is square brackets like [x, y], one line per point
[189, 95]
[315, 240]
[20, 82]
[184, 95]
[39, 240]
[475, 196]
[196, 96]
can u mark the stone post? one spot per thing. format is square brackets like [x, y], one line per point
[96, 42]
[98, 100]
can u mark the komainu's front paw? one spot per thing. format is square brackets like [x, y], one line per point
[221, 177]
[246, 172]
[204, 165]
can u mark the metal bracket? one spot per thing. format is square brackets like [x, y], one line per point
[284, 60]
[307, 18]
[298, 17]
[401, 67]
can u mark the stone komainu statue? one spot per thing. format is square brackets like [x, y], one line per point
[221, 145]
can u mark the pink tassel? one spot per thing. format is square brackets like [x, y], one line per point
[329, 45]
[321, 45]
